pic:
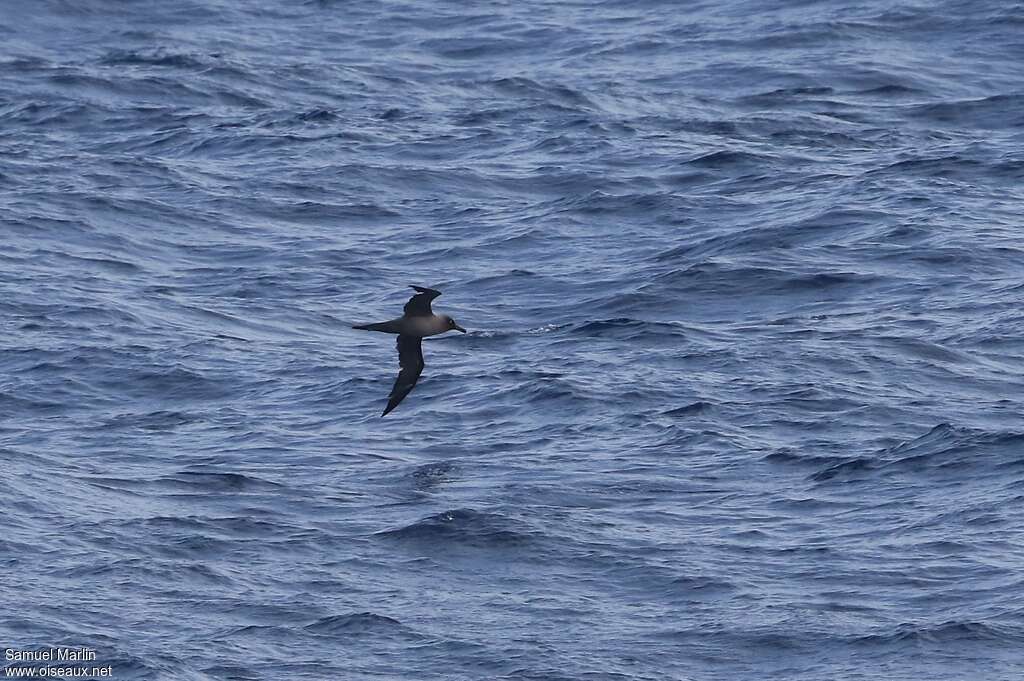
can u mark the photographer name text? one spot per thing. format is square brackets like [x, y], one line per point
[50, 655]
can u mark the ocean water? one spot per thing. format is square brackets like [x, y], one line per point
[741, 396]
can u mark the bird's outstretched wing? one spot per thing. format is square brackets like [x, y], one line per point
[410, 358]
[419, 304]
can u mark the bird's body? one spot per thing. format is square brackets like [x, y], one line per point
[418, 322]
[419, 327]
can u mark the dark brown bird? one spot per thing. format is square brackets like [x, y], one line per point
[417, 322]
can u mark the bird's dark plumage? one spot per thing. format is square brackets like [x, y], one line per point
[410, 359]
[417, 322]
[419, 304]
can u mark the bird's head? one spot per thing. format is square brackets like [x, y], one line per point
[452, 326]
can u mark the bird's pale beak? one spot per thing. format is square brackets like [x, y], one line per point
[459, 328]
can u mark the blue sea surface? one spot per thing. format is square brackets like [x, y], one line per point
[741, 396]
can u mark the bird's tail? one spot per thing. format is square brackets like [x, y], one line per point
[386, 327]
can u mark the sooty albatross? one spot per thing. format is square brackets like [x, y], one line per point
[416, 322]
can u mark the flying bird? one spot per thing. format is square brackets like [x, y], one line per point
[416, 322]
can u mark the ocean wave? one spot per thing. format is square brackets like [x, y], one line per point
[465, 527]
[725, 268]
